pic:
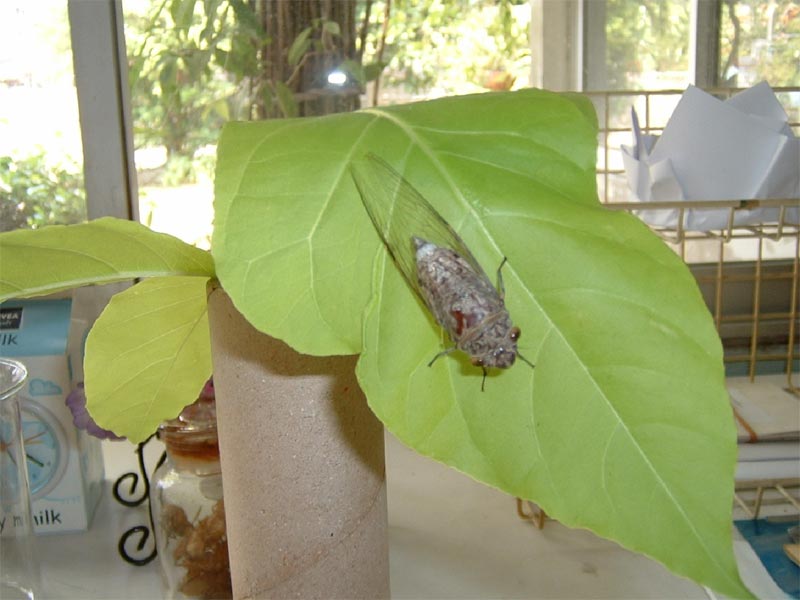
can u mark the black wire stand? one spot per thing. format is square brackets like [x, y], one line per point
[132, 499]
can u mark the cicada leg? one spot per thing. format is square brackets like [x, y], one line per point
[501, 289]
[444, 352]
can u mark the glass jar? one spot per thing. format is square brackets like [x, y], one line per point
[19, 569]
[188, 510]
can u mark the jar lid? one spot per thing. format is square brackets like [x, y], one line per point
[194, 432]
[199, 416]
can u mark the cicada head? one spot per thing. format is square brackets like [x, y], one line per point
[500, 355]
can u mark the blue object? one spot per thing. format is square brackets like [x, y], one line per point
[34, 327]
[767, 538]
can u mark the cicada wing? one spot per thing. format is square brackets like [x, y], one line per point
[400, 213]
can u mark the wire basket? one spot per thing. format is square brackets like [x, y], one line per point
[748, 274]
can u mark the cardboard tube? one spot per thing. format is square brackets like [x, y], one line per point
[302, 467]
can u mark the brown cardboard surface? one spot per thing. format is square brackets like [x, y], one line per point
[303, 468]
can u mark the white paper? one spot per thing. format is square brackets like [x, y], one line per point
[742, 148]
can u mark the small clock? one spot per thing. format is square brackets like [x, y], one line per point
[45, 447]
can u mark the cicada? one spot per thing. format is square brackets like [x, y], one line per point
[439, 267]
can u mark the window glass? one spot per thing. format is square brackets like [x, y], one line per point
[759, 41]
[41, 172]
[178, 105]
[194, 65]
[441, 48]
[647, 44]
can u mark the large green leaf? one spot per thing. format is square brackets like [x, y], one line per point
[624, 425]
[148, 355]
[294, 248]
[57, 258]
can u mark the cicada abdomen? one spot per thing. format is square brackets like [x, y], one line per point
[438, 266]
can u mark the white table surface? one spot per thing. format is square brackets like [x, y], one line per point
[450, 537]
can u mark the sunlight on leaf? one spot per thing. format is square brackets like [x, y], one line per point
[156, 335]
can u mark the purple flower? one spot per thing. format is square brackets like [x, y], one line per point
[76, 401]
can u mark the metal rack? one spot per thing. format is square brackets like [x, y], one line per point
[754, 302]
[749, 275]
[754, 494]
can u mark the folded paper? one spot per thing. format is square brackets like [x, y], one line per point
[741, 148]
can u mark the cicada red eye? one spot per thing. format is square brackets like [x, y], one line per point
[514, 334]
[477, 362]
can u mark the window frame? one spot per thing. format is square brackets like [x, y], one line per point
[101, 80]
[571, 35]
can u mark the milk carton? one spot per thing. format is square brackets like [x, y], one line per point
[65, 465]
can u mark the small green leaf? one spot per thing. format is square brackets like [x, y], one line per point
[148, 355]
[182, 13]
[247, 19]
[354, 69]
[299, 47]
[210, 17]
[286, 100]
[168, 75]
[221, 57]
[241, 59]
[107, 250]
[331, 27]
[221, 108]
[371, 71]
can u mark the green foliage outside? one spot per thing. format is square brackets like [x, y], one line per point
[760, 41]
[179, 95]
[645, 36]
[451, 47]
[193, 65]
[34, 193]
